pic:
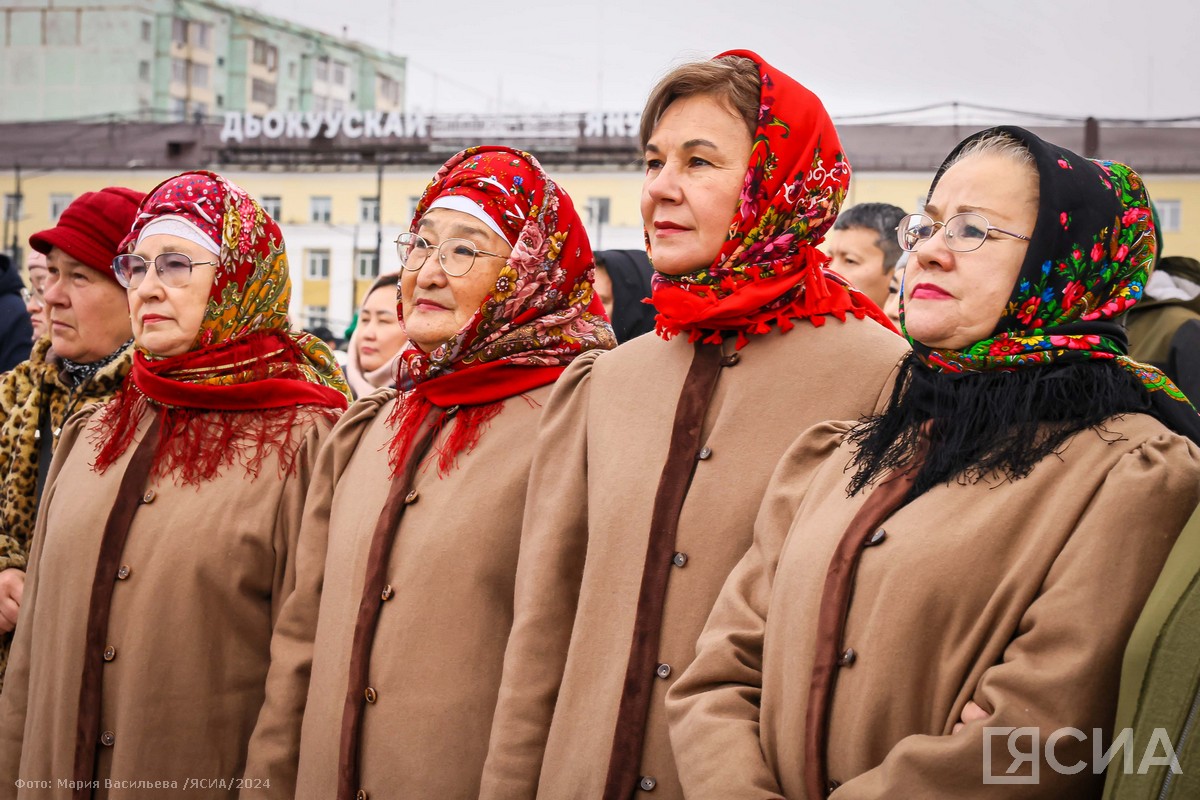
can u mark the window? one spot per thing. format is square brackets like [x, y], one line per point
[318, 265]
[147, 30]
[1170, 216]
[316, 316]
[339, 73]
[143, 70]
[178, 109]
[12, 206]
[179, 31]
[58, 204]
[273, 206]
[292, 69]
[368, 209]
[597, 210]
[179, 71]
[265, 54]
[320, 105]
[322, 69]
[389, 89]
[201, 34]
[200, 76]
[262, 92]
[320, 209]
[366, 265]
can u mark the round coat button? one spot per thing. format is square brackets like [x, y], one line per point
[123, 572]
[108, 738]
[705, 453]
[663, 671]
[877, 537]
[848, 657]
[110, 653]
[679, 559]
[388, 592]
[411, 497]
[361, 794]
[371, 695]
[731, 359]
[149, 496]
[647, 784]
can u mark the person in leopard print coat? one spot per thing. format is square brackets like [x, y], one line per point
[83, 361]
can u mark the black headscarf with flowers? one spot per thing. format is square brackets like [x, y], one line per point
[1057, 360]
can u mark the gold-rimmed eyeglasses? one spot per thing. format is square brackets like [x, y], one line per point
[455, 256]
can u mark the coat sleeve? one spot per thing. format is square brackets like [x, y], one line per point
[549, 573]
[713, 709]
[1058, 679]
[273, 753]
[14, 700]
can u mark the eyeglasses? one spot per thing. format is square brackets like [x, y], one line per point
[456, 256]
[33, 297]
[964, 232]
[174, 269]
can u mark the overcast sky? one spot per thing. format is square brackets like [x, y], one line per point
[1106, 58]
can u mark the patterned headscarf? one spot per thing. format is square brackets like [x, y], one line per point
[540, 315]
[1090, 255]
[769, 270]
[236, 392]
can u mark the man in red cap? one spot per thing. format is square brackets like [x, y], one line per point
[84, 360]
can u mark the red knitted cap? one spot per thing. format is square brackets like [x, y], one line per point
[92, 227]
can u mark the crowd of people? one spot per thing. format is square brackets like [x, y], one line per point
[799, 502]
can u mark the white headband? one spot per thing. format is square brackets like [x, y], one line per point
[467, 206]
[172, 225]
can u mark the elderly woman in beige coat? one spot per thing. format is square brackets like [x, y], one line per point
[654, 457]
[413, 528]
[166, 540]
[999, 528]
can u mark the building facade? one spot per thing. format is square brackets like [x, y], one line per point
[159, 60]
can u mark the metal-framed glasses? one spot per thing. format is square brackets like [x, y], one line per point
[174, 269]
[455, 256]
[33, 297]
[964, 232]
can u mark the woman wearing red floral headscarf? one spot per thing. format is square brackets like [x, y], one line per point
[415, 522]
[166, 542]
[654, 457]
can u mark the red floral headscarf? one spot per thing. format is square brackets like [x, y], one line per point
[237, 393]
[541, 314]
[769, 269]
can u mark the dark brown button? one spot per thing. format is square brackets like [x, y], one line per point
[831, 787]
[730, 360]
[647, 784]
[705, 452]
[663, 671]
[149, 496]
[876, 538]
[371, 695]
[361, 794]
[848, 657]
[123, 572]
[411, 497]
[388, 592]
[108, 738]
[110, 653]
[679, 559]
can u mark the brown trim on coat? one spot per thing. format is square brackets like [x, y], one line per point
[112, 545]
[891, 493]
[378, 560]
[629, 736]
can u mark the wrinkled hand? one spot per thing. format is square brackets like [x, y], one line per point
[12, 586]
[972, 713]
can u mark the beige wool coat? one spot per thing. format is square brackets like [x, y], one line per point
[1018, 595]
[201, 580]
[586, 560]
[438, 647]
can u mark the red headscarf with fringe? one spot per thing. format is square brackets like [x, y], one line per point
[540, 315]
[769, 270]
[237, 393]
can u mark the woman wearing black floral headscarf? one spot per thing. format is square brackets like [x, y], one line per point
[997, 544]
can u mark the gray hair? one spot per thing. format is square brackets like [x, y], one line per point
[881, 218]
